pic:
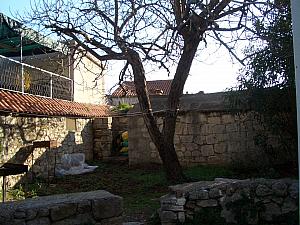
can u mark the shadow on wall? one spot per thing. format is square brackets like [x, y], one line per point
[42, 162]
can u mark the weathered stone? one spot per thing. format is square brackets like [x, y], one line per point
[214, 120]
[279, 189]
[181, 217]
[43, 212]
[200, 194]
[289, 205]
[107, 207]
[186, 138]
[263, 190]
[220, 148]
[215, 193]
[78, 219]
[207, 150]
[173, 208]
[294, 190]
[31, 214]
[271, 210]
[181, 201]
[16, 222]
[112, 221]
[228, 215]
[211, 139]
[190, 205]
[84, 207]
[20, 214]
[207, 203]
[63, 211]
[39, 221]
[168, 216]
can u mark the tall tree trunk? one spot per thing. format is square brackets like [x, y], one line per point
[164, 141]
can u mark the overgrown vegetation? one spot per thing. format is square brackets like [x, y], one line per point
[267, 83]
[122, 108]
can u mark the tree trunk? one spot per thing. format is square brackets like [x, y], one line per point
[164, 141]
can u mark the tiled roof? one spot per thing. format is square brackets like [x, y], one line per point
[13, 102]
[155, 87]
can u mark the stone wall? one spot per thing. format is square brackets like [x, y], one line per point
[102, 137]
[259, 201]
[97, 207]
[203, 138]
[18, 133]
[106, 131]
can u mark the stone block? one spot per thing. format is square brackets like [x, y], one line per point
[279, 189]
[294, 190]
[207, 203]
[289, 205]
[227, 118]
[78, 219]
[214, 120]
[215, 193]
[263, 190]
[168, 216]
[207, 150]
[191, 147]
[199, 139]
[20, 214]
[62, 211]
[84, 207]
[271, 210]
[181, 217]
[231, 128]
[199, 194]
[107, 207]
[186, 138]
[112, 221]
[220, 148]
[39, 221]
[211, 139]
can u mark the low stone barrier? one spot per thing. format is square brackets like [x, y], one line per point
[257, 201]
[92, 208]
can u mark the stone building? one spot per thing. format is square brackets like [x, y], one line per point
[126, 93]
[25, 119]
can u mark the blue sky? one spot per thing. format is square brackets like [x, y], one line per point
[209, 73]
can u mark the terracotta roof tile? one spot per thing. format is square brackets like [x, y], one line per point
[29, 104]
[155, 87]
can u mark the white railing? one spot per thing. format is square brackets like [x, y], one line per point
[25, 78]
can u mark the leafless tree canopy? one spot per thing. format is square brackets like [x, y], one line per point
[153, 28]
[157, 31]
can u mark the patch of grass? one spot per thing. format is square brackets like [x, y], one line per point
[140, 188]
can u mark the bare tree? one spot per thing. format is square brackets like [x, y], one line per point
[166, 32]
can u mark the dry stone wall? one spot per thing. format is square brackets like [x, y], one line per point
[258, 201]
[18, 133]
[202, 138]
[97, 207]
[102, 137]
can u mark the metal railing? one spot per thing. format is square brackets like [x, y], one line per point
[25, 78]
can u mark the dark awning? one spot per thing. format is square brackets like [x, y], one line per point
[32, 41]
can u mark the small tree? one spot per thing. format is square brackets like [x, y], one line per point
[166, 33]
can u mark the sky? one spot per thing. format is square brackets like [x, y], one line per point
[210, 72]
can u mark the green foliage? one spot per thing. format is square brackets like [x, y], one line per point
[21, 192]
[122, 107]
[267, 83]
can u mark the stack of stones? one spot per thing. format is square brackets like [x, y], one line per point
[97, 207]
[102, 138]
[235, 201]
